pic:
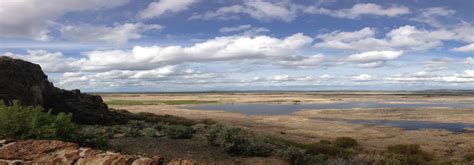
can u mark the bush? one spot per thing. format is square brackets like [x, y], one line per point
[469, 157]
[235, 142]
[169, 119]
[179, 132]
[93, 136]
[27, 122]
[345, 142]
[410, 154]
[327, 149]
[298, 156]
[150, 132]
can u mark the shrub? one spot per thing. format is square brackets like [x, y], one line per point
[27, 122]
[169, 119]
[93, 137]
[208, 121]
[325, 142]
[327, 149]
[293, 155]
[235, 142]
[133, 128]
[179, 132]
[150, 132]
[410, 154]
[345, 142]
[469, 157]
[297, 156]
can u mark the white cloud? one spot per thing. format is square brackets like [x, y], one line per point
[438, 64]
[142, 58]
[430, 15]
[409, 38]
[235, 28]
[359, 10]
[326, 77]
[362, 77]
[33, 17]
[119, 34]
[465, 77]
[374, 58]
[283, 79]
[468, 60]
[246, 30]
[49, 61]
[127, 78]
[303, 62]
[217, 49]
[465, 48]
[287, 11]
[257, 9]
[157, 9]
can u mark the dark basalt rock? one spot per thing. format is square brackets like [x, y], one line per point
[26, 82]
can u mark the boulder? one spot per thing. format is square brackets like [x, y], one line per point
[58, 152]
[26, 82]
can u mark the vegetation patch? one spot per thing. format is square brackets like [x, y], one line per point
[28, 122]
[298, 156]
[169, 119]
[345, 142]
[235, 142]
[469, 157]
[179, 132]
[158, 102]
[408, 154]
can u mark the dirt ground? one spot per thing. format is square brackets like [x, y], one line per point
[305, 127]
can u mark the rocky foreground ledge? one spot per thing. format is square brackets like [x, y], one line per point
[50, 152]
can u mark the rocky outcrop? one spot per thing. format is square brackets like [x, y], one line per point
[57, 152]
[26, 82]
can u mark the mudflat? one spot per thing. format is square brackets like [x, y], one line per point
[312, 125]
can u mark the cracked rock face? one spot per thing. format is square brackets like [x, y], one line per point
[26, 82]
[58, 152]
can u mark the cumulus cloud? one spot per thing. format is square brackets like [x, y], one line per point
[359, 10]
[465, 48]
[246, 30]
[142, 58]
[119, 34]
[303, 62]
[49, 61]
[217, 49]
[287, 11]
[362, 77]
[257, 9]
[409, 38]
[32, 18]
[374, 58]
[438, 64]
[157, 9]
[430, 15]
[465, 77]
[235, 28]
[468, 60]
[170, 74]
[283, 79]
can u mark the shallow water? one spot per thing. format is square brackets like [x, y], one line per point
[410, 125]
[288, 109]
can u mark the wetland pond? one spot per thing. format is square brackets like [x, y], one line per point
[288, 109]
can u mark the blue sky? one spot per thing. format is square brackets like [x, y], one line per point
[197, 45]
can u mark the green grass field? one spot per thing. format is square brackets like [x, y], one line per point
[158, 102]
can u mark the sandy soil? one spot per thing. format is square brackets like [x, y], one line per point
[303, 127]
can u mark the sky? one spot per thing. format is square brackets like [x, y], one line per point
[226, 45]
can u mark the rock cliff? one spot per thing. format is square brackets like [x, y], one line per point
[26, 82]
